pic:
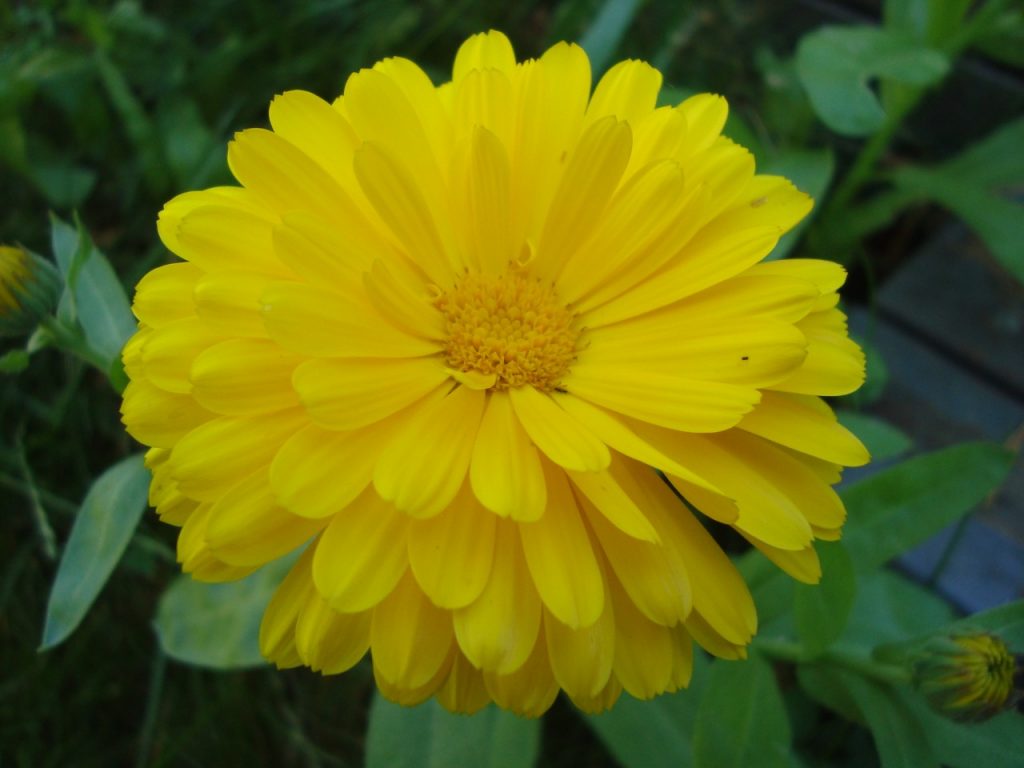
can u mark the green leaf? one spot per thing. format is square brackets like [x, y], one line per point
[218, 625]
[901, 740]
[602, 38]
[835, 65]
[811, 171]
[14, 361]
[970, 186]
[992, 744]
[656, 733]
[1003, 38]
[933, 21]
[882, 439]
[103, 527]
[895, 510]
[821, 610]
[742, 719]
[889, 608]
[94, 292]
[877, 377]
[428, 736]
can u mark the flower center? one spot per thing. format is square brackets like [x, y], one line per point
[511, 326]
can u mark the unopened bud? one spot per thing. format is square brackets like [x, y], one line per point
[967, 677]
[29, 290]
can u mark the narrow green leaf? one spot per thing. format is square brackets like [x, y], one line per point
[14, 361]
[217, 625]
[602, 38]
[428, 736]
[821, 610]
[971, 186]
[882, 439]
[96, 295]
[103, 527]
[901, 740]
[835, 65]
[893, 511]
[993, 744]
[742, 719]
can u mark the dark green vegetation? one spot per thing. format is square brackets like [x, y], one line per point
[111, 108]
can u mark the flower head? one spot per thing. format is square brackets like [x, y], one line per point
[29, 287]
[967, 676]
[448, 335]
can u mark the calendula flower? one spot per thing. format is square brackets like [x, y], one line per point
[470, 342]
[29, 288]
[967, 676]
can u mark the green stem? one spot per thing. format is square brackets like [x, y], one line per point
[47, 539]
[156, 685]
[71, 340]
[785, 650]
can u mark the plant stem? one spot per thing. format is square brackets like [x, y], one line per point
[156, 685]
[71, 340]
[47, 539]
[785, 650]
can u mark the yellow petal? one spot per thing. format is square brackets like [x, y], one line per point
[653, 575]
[318, 322]
[215, 456]
[451, 553]
[705, 115]
[610, 491]
[464, 691]
[247, 527]
[701, 263]
[802, 564]
[805, 424]
[404, 299]
[628, 91]
[602, 701]
[330, 642]
[561, 557]
[165, 294]
[410, 637]
[498, 630]
[558, 434]
[591, 177]
[485, 50]
[424, 465]
[644, 653]
[528, 691]
[483, 189]
[242, 377]
[713, 641]
[318, 472]
[229, 302]
[410, 697]
[666, 400]
[828, 276]
[285, 177]
[402, 203]
[159, 418]
[766, 201]
[719, 592]
[277, 629]
[483, 99]
[834, 364]
[223, 237]
[582, 659]
[361, 555]
[168, 353]
[613, 432]
[309, 122]
[348, 394]
[505, 470]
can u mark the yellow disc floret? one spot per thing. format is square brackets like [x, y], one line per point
[511, 326]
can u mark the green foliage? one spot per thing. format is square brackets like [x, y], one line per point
[217, 625]
[428, 736]
[740, 729]
[820, 610]
[882, 439]
[836, 63]
[103, 527]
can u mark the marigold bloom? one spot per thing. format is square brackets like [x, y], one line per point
[29, 289]
[448, 333]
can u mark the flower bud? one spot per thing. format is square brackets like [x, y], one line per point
[967, 677]
[29, 290]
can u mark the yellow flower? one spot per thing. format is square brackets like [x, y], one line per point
[448, 333]
[968, 677]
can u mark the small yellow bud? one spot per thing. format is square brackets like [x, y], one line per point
[967, 677]
[29, 289]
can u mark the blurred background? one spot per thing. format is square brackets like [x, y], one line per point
[109, 109]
